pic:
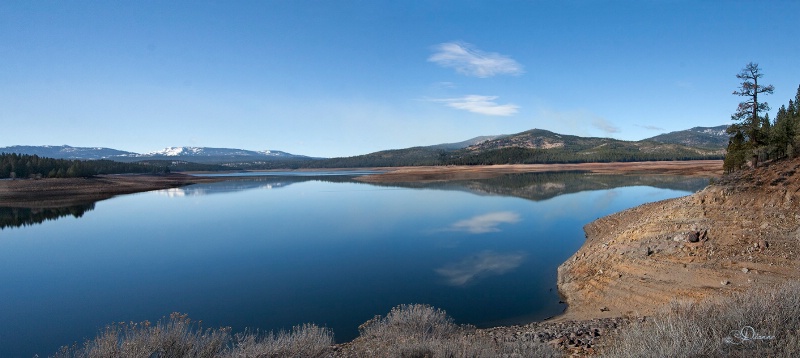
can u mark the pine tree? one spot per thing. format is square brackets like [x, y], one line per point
[750, 123]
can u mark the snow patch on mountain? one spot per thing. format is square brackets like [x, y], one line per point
[714, 131]
[214, 152]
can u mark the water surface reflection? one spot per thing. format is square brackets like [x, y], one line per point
[272, 252]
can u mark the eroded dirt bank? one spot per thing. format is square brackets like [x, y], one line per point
[747, 227]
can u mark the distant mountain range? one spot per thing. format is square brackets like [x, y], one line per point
[188, 154]
[533, 146]
[67, 152]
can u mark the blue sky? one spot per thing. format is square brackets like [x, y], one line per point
[341, 78]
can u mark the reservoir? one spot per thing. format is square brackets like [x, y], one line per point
[270, 252]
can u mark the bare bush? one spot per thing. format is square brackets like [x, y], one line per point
[405, 322]
[408, 331]
[421, 331]
[759, 322]
[180, 337]
[307, 341]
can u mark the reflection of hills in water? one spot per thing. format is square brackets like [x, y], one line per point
[235, 184]
[542, 186]
[532, 186]
[18, 217]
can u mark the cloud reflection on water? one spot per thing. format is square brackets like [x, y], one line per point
[218, 188]
[482, 224]
[481, 265]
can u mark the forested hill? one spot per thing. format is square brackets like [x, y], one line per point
[701, 137]
[33, 166]
[541, 146]
[529, 147]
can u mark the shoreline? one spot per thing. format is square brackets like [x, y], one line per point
[692, 168]
[61, 192]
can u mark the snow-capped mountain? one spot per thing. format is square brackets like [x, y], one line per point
[214, 152]
[190, 154]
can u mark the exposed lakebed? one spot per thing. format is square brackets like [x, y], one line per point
[269, 252]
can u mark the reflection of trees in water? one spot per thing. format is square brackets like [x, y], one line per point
[235, 184]
[543, 186]
[532, 186]
[18, 217]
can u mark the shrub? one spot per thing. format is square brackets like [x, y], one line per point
[408, 331]
[417, 331]
[306, 341]
[180, 337]
[420, 322]
[759, 322]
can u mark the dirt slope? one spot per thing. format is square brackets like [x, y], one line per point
[636, 261]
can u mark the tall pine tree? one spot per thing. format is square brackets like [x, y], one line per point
[750, 124]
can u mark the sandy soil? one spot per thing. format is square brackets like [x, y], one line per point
[44, 193]
[637, 261]
[701, 168]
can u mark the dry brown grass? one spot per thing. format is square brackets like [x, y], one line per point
[180, 337]
[408, 331]
[760, 322]
[421, 331]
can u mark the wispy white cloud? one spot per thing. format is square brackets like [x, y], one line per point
[486, 263]
[650, 127]
[470, 61]
[482, 224]
[480, 104]
[604, 125]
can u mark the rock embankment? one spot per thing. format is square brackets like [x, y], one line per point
[742, 231]
[575, 337]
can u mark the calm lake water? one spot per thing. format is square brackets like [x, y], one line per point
[271, 252]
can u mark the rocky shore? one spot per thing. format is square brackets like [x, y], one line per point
[576, 337]
[740, 232]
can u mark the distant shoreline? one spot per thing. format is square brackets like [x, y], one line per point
[59, 192]
[693, 168]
